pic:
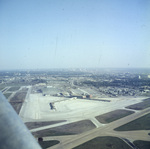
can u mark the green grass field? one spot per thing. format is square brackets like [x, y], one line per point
[104, 143]
[142, 123]
[17, 100]
[68, 129]
[7, 95]
[113, 115]
[17, 106]
[46, 144]
[142, 144]
[1, 88]
[14, 88]
[18, 97]
[32, 125]
[140, 106]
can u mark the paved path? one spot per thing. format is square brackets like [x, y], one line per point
[96, 122]
[50, 126]
[24, 106]
[68, 142]
[5, 89]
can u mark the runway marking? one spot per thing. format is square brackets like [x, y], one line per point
[96, 122]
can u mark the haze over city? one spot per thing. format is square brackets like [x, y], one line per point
[75, 74]
[74, 34]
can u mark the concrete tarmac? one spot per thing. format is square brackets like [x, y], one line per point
[36, 109]
[68, 142]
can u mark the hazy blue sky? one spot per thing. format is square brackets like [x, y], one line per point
[74, 33]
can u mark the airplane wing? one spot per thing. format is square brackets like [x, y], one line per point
[14, 134]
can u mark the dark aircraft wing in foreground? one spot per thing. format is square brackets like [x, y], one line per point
[14, 134]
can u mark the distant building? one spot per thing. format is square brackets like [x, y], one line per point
[88, 96]
[83, 97]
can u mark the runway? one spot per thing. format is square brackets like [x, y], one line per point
[36, 109]
[68, 142]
